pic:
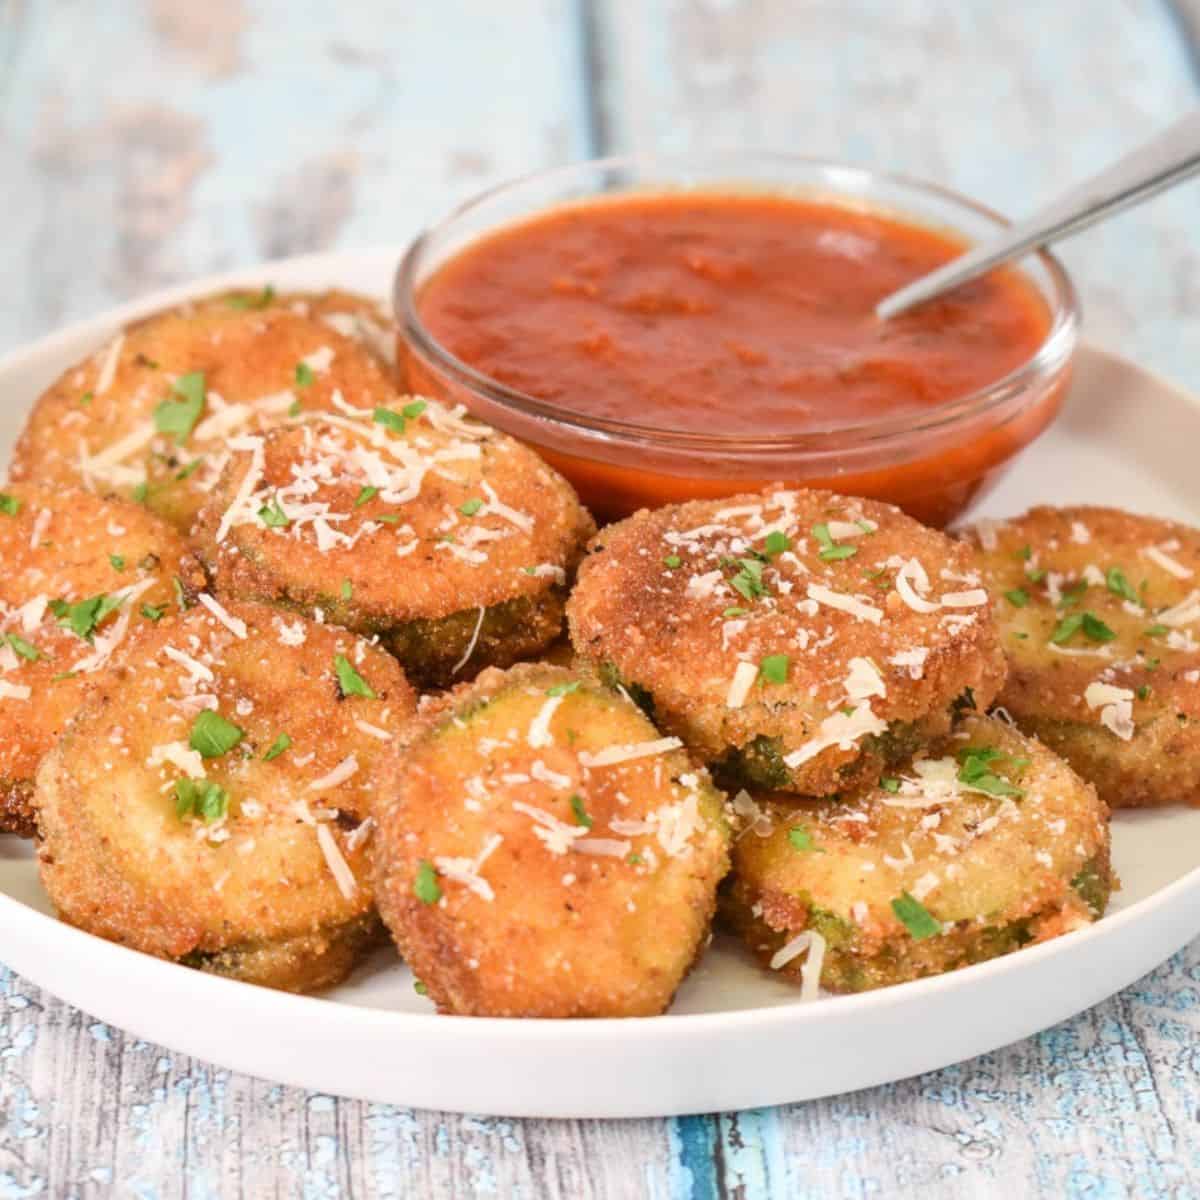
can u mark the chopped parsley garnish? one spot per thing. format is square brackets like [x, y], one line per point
[1119, 585]
[1025, 552]
[776, 543]
[142, 361]
[748, 581]
[469, 508]
[420, 988]
[63, 675]
[1018, 597]
[388, 518]
[414, 409]
[27, 650]
[273, 516]
[389, 420]
[1157, 631]
[425, 886]
[277, 747]
[191, 468]
[579, 812]
[251, 300]
[634, 859]
[213, 736]
[563, 689]
[86, 399]
[890, 783]
[200, 798]
[295, 408]
[1096, 629]
[153, 612]
[672, 561]
[1143, 693]
[9, 505]
[831, 551]
[141, 492]
[180, 596]
[178, 418]
[1092, 627]
[347, 589]
[349, 680]
[735, 612]
[368, 493]
[304, 375]
[1036, 575]
[975, 769]
[774, 668]
[118, 563]
[915, 917]
[84, 618]
[800, 839]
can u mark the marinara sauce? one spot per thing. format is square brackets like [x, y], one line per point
[727, 314]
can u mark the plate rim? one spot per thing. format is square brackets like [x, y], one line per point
[57, 937]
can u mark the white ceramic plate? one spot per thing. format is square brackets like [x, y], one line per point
[735, 1037]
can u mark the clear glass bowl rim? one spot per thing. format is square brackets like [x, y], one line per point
[1050, 357]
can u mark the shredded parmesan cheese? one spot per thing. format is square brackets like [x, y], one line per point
[235, 625]
[338, 867]
[848, 604]
[744, 675]
[611, 755]
[810, 972]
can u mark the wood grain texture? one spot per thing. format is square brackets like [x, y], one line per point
[145, 142]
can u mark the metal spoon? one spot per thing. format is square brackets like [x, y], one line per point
[1165, 160]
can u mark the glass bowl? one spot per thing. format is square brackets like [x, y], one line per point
[934, 464]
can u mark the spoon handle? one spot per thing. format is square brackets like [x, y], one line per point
[1166, 159]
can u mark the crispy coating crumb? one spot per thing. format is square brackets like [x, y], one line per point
[210, 801]
[543, 851]
[119, 422]
[449, 540]
[800, 640]
[81, 574]
[1099, 614]
[986, 843]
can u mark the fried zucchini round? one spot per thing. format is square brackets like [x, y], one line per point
[149, 415]
[795, 640]
[542, 852]
[208, 803]
[986, 843]
[448, 540]
[1099, 612]
[80, 573]
[362, 318]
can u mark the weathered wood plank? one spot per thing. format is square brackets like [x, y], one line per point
[140, 152]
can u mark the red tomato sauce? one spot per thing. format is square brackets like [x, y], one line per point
[726, 313]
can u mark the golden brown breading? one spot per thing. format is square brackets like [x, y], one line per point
[79, 573]
[148, 416]
[798, 640]
[1099, 612]
[522, 874]
[362, 318]
[207, 803]
[449, 540]
[986, 843]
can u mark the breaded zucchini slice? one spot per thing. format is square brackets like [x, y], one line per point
[450, 541]
[1099, 613]
[150, 415]
[987, 843]
[79, 575]
[209, 802]
[543, 852]
[362, 318]
[795, 640]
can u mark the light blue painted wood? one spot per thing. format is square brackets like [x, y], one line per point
[147, 142]
[140, 151]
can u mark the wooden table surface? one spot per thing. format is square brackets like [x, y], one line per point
[146, 142]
